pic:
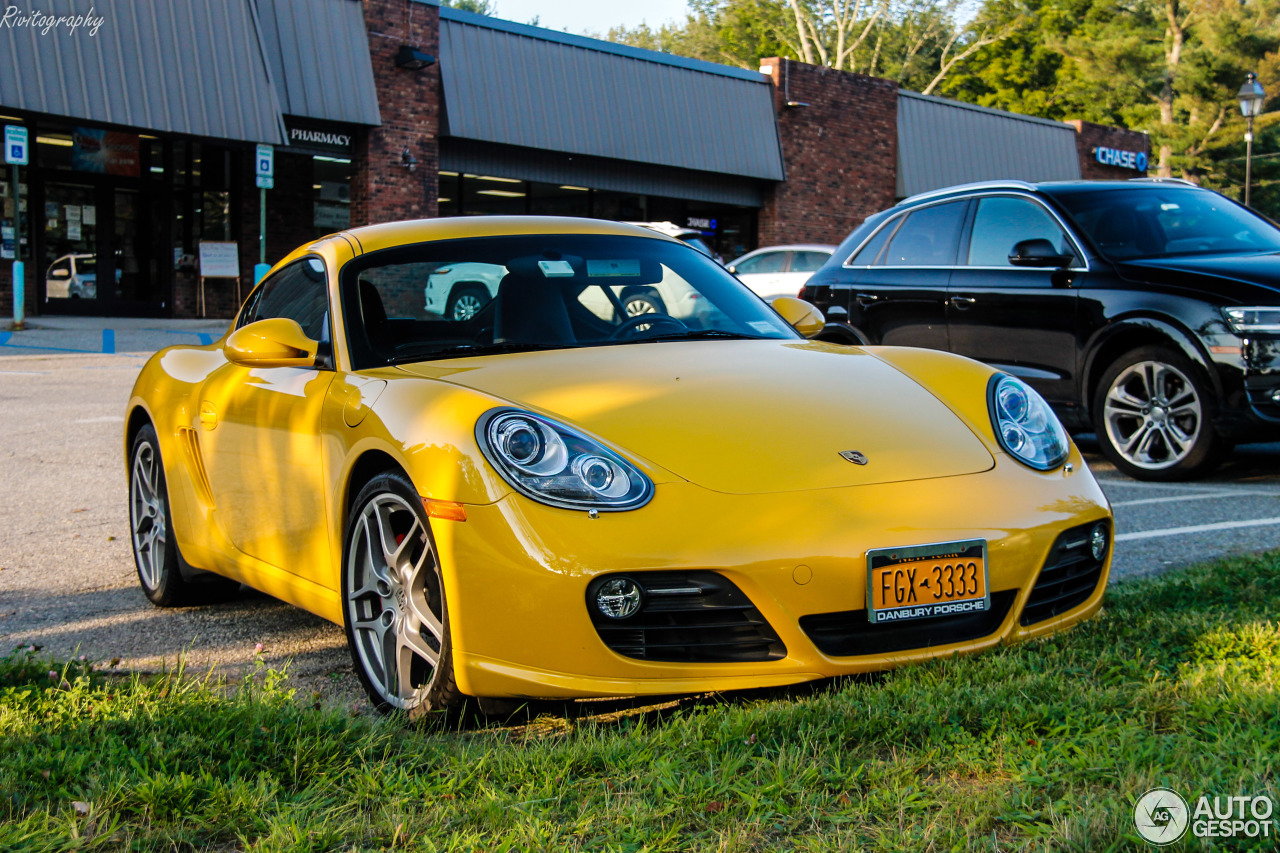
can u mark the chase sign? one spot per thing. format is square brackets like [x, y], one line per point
[1123, 159]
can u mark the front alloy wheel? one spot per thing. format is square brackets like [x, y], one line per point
[396, 617]
[1152, 417]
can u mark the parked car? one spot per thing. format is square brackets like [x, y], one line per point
[538, 501]
[72, 277]
[780, 270]
[460, 291]
[1145, 311]
[692, 236]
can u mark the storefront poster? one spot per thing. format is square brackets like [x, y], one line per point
[6, 242]
[51, 210]
[73, 222]
[106, 152]
[90, 215]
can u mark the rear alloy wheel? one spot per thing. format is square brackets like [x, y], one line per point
[1151, 416]
[643, 301]
[394, 602]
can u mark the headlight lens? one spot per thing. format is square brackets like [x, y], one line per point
[1025, 425]
[1253, 319]
[558, 465]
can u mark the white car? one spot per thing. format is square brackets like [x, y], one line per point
[72, 277]
[780, 270]
[458, 291]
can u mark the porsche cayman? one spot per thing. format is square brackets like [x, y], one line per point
[554, 496]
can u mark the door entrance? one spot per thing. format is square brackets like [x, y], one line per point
[99, 247]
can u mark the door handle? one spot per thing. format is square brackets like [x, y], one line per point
[866, 298]
[962, 302]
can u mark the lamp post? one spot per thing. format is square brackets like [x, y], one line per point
[1250, 96]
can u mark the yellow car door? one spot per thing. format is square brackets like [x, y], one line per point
[260, 436]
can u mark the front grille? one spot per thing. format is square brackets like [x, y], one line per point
[850, 632]
[1069, 577]
[693, 617]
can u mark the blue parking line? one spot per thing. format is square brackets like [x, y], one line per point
[205, 339]
[53, 349]
[4, 337]
[109, 341]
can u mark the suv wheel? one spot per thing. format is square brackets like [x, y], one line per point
[1151, 413]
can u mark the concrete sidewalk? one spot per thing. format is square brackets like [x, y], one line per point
[110, 335]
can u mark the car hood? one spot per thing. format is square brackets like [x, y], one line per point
[1233, 276]
[738, 416]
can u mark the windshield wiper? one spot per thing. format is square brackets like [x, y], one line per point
[695, 335]
[477, 349]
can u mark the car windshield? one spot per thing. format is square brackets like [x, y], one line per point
[1145, 222]
[481, 296]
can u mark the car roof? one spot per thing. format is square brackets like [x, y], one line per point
[386, 235]
[794, 247]
[1050, 187]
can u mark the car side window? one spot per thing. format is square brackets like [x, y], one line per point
[928, 238]
[873, 247]
[764, 263]
[808, 261]
[1001, 222]
[299, 293]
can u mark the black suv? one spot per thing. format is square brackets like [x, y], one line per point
[1146, 311]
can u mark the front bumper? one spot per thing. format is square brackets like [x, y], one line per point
[516, 573]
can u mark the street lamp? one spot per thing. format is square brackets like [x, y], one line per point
[1251, 96]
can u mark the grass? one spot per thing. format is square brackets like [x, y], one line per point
[1044, 746]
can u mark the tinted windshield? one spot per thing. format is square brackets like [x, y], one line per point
[1157, 223]
[459, 298]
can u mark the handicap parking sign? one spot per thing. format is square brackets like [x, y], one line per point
[15, 145]
[266, 161]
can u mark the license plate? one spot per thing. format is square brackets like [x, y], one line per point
[924, 581]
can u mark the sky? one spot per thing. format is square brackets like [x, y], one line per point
[590, 16]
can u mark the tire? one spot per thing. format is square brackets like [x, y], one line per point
[643, 300]
[155, 550]
[465, 301]
[393, 602]
[1152, 412]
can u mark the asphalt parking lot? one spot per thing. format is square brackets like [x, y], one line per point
[67, 580]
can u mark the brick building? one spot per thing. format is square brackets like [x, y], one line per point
[145, 135]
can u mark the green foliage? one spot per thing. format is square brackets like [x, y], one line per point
[479, 7]
[1043, 746]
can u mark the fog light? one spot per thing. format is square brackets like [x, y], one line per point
[618, 598]
[1098, 541]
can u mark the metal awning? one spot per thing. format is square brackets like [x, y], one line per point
[942, 143]
[195, 67]
[540, 89]
[319, 55]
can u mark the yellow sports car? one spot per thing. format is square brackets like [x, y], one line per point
[556, 497]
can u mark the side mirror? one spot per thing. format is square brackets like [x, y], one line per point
[1038, 253]
[61, 273]
[277, 342]
[807, 319]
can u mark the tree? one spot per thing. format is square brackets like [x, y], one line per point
[480, 7]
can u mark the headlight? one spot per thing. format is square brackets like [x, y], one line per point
[557, 465]
[1025, 425]
[1255, 319]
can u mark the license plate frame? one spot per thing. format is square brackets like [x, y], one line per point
[882, 561]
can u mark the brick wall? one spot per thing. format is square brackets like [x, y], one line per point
[384, 189]
[1090, 136]
[840, 151]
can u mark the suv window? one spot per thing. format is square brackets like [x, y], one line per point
[297, 293]
[928, 238]
[1002, 221]
[764, 263]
